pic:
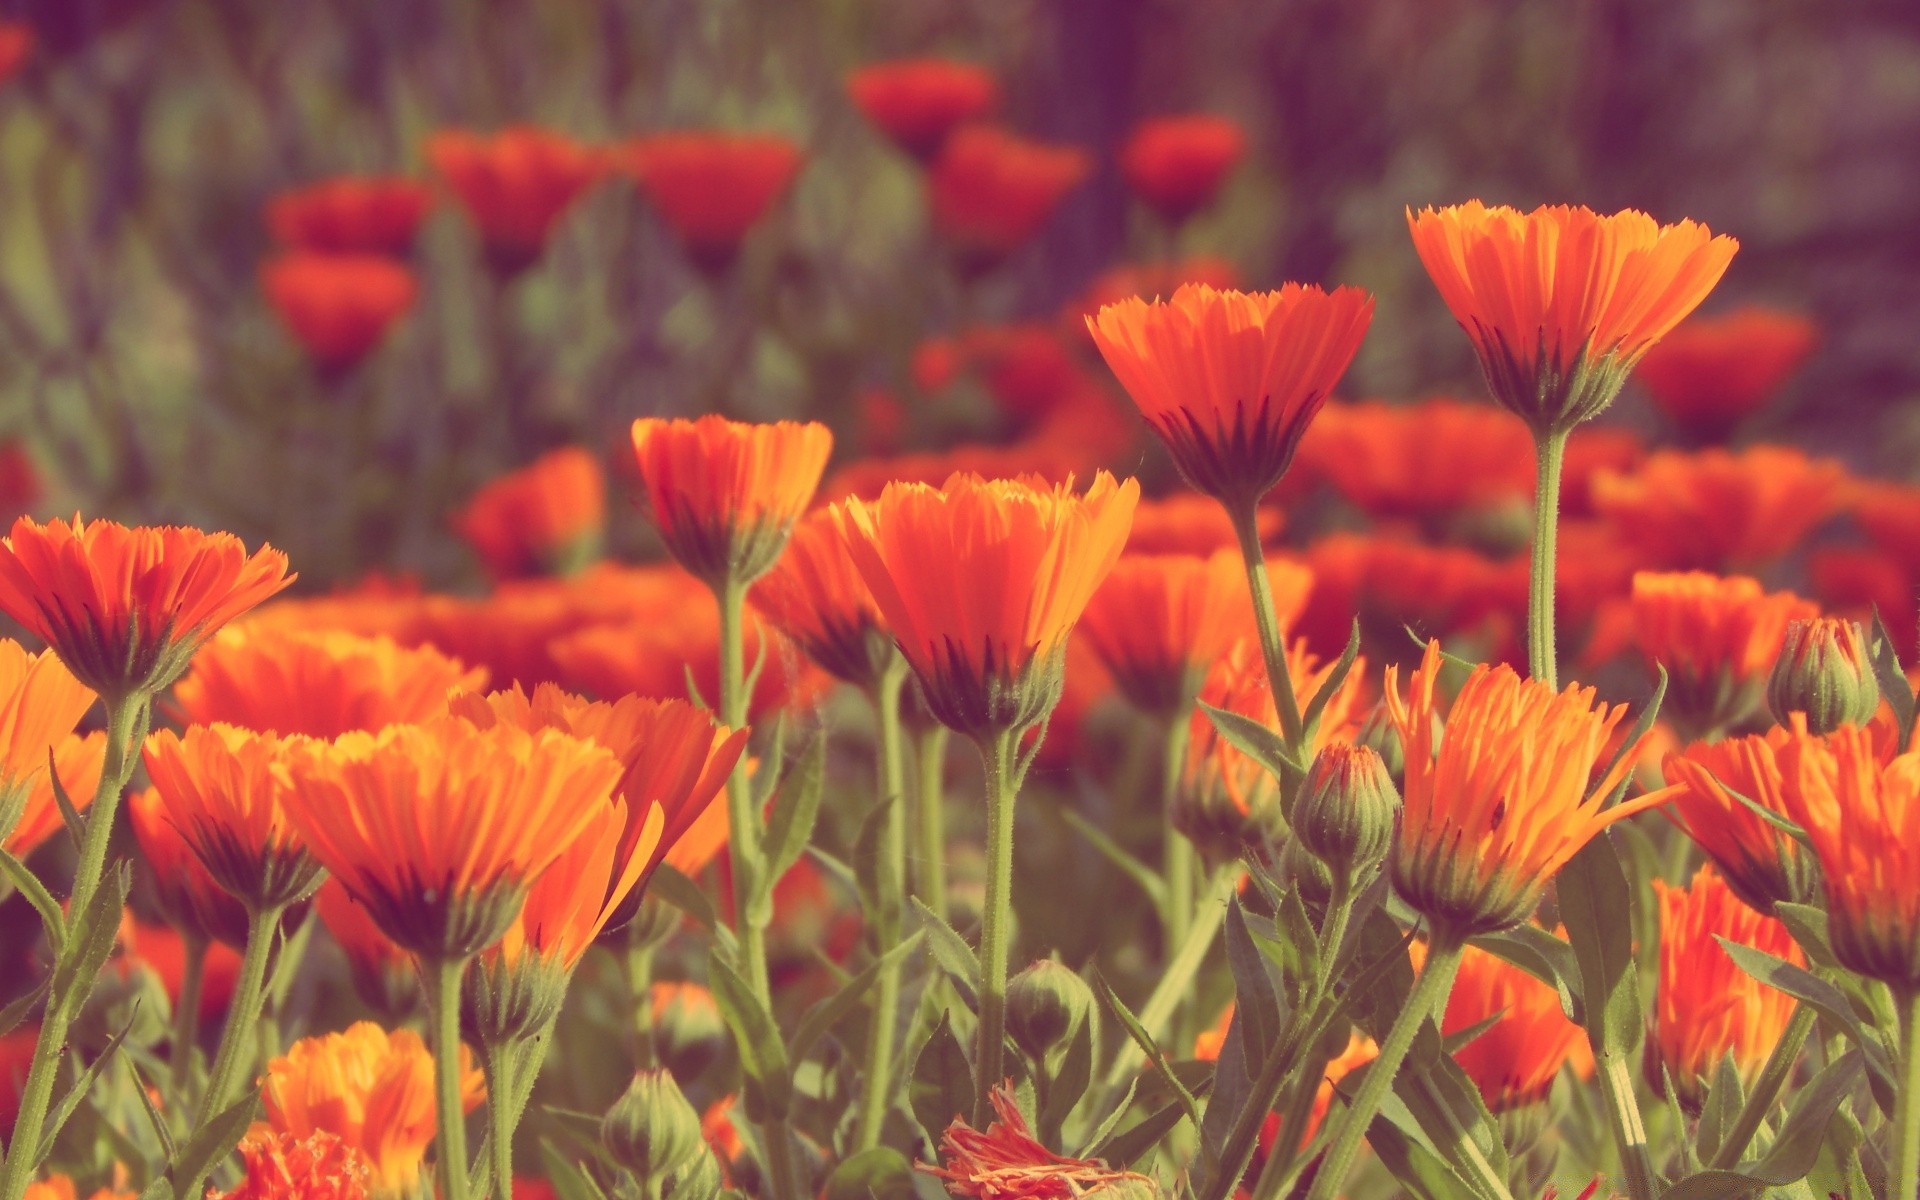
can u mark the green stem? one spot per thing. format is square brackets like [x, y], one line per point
[780, 1165]
[1615, 1077]
[1429, 997]
[997, 756]
[442, 979]
[1550, 450]
[639, 964]
[744, 824]
[1179, 861]
[242, 1017]
[1273, 646]
[930, 880]
[501, 1092]
[1906, 1116]
[186, 1021]
[1176, 977]
[1766, 1089]
[890, 888]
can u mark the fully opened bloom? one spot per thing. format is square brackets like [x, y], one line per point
[1006, 1162]
[1761, 862]
[1161, 621]
[991, 190]
[1720, 510]
[1713, 372]
[1514, 1061]
[1499, 802]
[283, 1166]
[815, 596]
[713, 187]
[1437, 457]
[40, 703]
[981, 581]
[1561, 302]
[338, 306]
[725, 494]
[1716, 636]
[225, 794]
[1177, 164]
[515, 186]
[1229, 380]
[918, 102]
[548, 517]
[125, 609]
[351, 214]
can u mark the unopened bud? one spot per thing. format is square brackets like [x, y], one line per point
[1046, 1005]
[1823, 671]
[1346, 809]
[688, 1033]
[1379, 734]
[654, 1133]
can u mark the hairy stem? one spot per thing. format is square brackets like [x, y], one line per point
[443, 1007]
[1550, 450]
[890, 884]
[997, 755]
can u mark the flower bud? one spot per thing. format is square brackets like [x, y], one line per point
[1346, 809]
[1046, 1005]
[1307, 874]
[688, 1034]
[1378, 734]
[653, 1132]
[1823, 671]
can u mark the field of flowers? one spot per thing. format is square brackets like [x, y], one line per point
[687, 599]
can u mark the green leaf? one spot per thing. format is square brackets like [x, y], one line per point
[93, 935]
[1103, 1130]
[671, 885]
[59, 1114]
[790, 825]
[1143, 876]
[69, 815]
[881, 1173]
[1256, 1003]
[763, 1057]
[1232, 1089]
[1808, 925]
[1808, 988]
[1335, 679]
[1595, 901]
[942, 1088]
[1540, 954]
[16, 1012]
[212, 1142]
[1144, 1040]
[28, 884]
[827, 1013]
[1425, 1174]
[569, 1181]
[1894, 687]
[1794, 1151]
[869, 862]
[1725, 1098]
[951, 951]
[1255, 740]
[1066, 1085]
[1448, 1108]
[1131, 1144]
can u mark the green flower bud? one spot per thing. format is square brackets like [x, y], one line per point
[1347, 807]
[688, 1033]
[654, 1133]
[1308, 875]
[1046, 1005]
[1823, 671]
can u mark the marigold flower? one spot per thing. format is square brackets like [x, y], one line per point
[351, 214]
[1154, 279]
[1713, 372]
[725, 494]
[1160, 621]
[189, 897]
[384, 975]
[225, 794]
[1562, 302]
[1514, 1061]
[61, 1187]
[991, 190]
[440, 828]
[77, 761]
[19, 478]
[1717, 638]
[1762, 864]
[816, 597]
[316, 681]
[1188, 523]
[1717, 510]
[1176, 164]
[372, 1089]
[338, 306]
[16, 44]
[1889, 513]
[657, 655]
[1229, 380]
[918, 102]
[514, 185]
[712, 187]
[981, 581]
[1394, 582]
[1501, 800]
[280, 1166]
[40, 703]
[545, 518]
[1007, 1163]
[1437, 457]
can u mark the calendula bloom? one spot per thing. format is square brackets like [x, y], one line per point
[991, 190]
[712, 187]
[226, 795]
[61, 1187]
[1889, 513]
[1562, 302]
[1176, 164]
[337, 306]
[125, 609]
[981, 581]
[1721, 510]
[40, 703]
[1708, 1008]
[1501, 800]
[1229, 380]
[316, 682]
[725, 494]
[918, 102]
[282, 1166]
[1761, 863]
[438, 829]
[1396, 582]
[816, 597]
[548, 517]
[514, 185]
[1006, 1163]
[77, 763]
[675, 655]
[1186, 523]
[1438, 457]
[189, 897]
[351, 214]
[1716, 636]
[372, 1089]
[1160, 621]
[1151, 279]
[1514, 1061]
[1713, 372]
[384, 975]
[19, 478]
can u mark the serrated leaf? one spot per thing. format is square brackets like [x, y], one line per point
[942, 1088]
[1256, 1002]
[763, 1057]
[881, 1173]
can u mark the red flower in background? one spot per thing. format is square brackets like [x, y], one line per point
[546, 517]
[19, 479]
[1720, 510]
[338, 306]
[1712, 372]
[991, 190]
[1153, 280]
[351, 214]
[918, 102]
[1434, 458]
[16, 43]
[712, 187]
[1176, 164]
[514, 185]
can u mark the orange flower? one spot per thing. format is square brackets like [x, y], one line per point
[657, 653]
[1708, 1008]
[351, 214]
[981, 581]
[40, 703]
[1861, 812]
[338, 306]
[991, 190]
[1598, 448]
[16, 43]
[1229, 380]
[1434, 458]
[1501, 800]
[1720, 510]
[189, 898]
[19, 478]
[713, 187]
[918, 102]
[316, 682]
[385, 975]
[439, 828]
[61, 1187]
[1186, 523]
[1393, 583]
[1155, 279]
[78, 761]
[725, 494]
[1514, 1061]
[1161, 620]
[515, 186]
[226, 797]
[815, 596]
[1713, 372]
[1176, 164]
[1890, 515]
[1007, 1163]
[546, 517]
[371, 1089]
[1717, 637]
[1562, 302]
[282, 1166]
[1763, 865]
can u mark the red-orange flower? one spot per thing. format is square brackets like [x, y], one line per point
[1187, 523]
[285, 1166]
[1496, 804]
[78, 761]
[384, 975]
[126, 608]
[1720, 510]
[713, 187]
[1006, 1163]
[225, 795]
[1762, 864]
[1717, 637]
[1562, 302]
[61, 1187]
[1890, 515]
[338, 306]
[1713, 372]
[545, 518]
[1514, 1061]
[515, 185]
[1229, 380]
[1709, 1009]
[16, 43]
[1176, 164]
[40, 703]
[19, 478]
[1437, 457]
[1161, 620]
[918, 102]
[190, 899]
[725, 494]
[815, 596]
[1395, 582]
[351, 214]
[1150, 279]
[991, 190]
[981, 581]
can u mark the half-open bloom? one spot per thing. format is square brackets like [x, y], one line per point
[918, 102]
[1177, 164]
[991, 190]
[547, 518]
[515, 185]
[815, 596]
[1716, 636]
[1761, 863]
[351, 214]
[1713, 372]
[712, 187]
[1161, 621]
[337, 306]
[227, 798]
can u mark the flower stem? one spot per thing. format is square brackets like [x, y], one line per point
[1246, 526]
[1615, 1078]
[744, 824]
[242, 1016]
[186, 1020]
[890, 885]
[1179, 862]
[1550, 450]
[1766, 1089]
[639, 965]
[443, 1010]
[501, 1093]
[1906, 1119]
[997, 756]
[930, 880]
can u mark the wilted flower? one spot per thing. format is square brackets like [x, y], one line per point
[1176, 164]
[338, 306]
[1007, 1163]
[918, 102]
